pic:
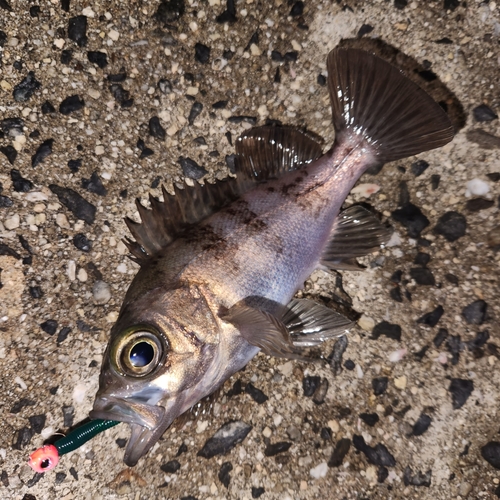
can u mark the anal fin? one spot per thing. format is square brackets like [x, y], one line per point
[302, 323]
[356, 233]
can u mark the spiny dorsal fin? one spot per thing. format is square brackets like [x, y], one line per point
[261, 153]
[356, 233]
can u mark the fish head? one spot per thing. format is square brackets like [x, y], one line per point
[158, 363]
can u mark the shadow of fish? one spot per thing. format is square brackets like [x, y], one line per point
[220, 263]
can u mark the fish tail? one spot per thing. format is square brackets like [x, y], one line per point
[375, 104]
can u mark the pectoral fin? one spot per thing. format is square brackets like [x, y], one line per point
[300, 324]
[356, 233]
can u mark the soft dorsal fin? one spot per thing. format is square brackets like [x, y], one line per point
[261, 153]
[356, 233]
[269, 152]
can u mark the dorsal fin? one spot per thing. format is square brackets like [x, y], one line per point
[269, 152]
[261, 153]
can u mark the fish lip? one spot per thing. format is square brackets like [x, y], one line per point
[145, 421]
[128, 411]
[140, 442]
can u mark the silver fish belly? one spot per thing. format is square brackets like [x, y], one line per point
[220, 263]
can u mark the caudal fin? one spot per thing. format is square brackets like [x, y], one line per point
[375, 101]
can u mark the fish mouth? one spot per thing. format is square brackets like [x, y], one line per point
[145, 421]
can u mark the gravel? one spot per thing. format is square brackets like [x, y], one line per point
[265, 64]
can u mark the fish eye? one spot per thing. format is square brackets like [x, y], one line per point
[138, 351]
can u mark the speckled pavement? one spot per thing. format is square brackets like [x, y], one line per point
[413, 400]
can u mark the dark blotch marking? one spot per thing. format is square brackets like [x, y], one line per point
[287, 187]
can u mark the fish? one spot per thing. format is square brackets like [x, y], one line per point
[220, 263]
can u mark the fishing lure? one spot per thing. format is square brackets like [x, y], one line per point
[47, 457]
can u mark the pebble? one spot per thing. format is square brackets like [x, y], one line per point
[320, 393]
[155, 128]
[82, 242]
[62, 221]
[366, 323]
[169, 11]
[294, 433]
[191, 169]
[223, 475]
[71, 104]
[63, 335]
[477, 187]
[422, 276]
[71, 270]
[379, 385]
[412, 219]
[26, 88]
[460, 391]
[74, 165]
[82, 275]
[451, 225]
[66, 56]
[319, 471]
[335, 358]
[60, 477]
[310, 384]
[272, 450]
[19, 183]
[49, 326]
[400, 382]
[23, 438]
[365, 190]
[171, 467]
[94, 185]
[478, 204]
[68, 415]
[422, 259]
[475, 313]
[80, 207]
[12, 222]
[389, 330]
[98, 58]
[257, 492]
[47, 108]
[229, 15]
[491, 453]
[225, 439]
[256, 394]
[202, 53]
[369, 419]
[484, 113]
[431, 318]
[454, 345]
[419, 167]
[483, 139]
[122, 96]
[37, 422]
[421, 425]
[196, 109]
[339, 453]
[114, 35]
[349, 365]
[376, 455]
[10, 153]
[418, 479]
[77, 30]
[101, 292]
[165, 86]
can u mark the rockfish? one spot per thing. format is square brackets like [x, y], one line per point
[220, 263]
